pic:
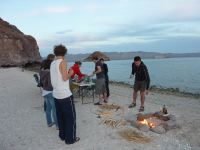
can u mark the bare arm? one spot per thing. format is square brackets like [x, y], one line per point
[63, 71]
[98, 70]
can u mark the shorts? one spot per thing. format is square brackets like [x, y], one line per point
[140, 86]
[100, 86]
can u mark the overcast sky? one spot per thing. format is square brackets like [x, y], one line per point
[108, 25]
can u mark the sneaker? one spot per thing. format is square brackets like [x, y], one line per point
[105, 101]
[98, 103]
[50, 125]
[141, 109]
[132, 105]
[77, 139]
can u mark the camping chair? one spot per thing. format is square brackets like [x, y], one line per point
[75, 90]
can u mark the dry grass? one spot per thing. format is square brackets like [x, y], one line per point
[131, 135]
[104, 114]
[110, 107]
[113, 123]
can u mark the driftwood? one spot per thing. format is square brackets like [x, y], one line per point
[159, 115]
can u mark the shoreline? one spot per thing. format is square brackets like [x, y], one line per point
[154, 88]
[170, 91]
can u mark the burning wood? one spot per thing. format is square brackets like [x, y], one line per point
[157, 122]
[146, 122]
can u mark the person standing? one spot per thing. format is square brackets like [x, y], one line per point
[100, 82]
[47, 89]
[49, 58]
[105, 70]
[142, 81]
[65, 108]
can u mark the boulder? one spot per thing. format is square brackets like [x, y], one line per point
[158, 129]
[16, 48]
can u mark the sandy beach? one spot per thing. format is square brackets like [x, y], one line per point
[23, 124]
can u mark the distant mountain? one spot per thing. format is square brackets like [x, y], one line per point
[131, 55]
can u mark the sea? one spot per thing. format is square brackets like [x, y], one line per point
[182, 74]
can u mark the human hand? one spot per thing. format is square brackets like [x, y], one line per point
[90, 75]
[71, 72]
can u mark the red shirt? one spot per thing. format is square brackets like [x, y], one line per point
[76, 69]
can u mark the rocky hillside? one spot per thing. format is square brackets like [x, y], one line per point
[16, 48]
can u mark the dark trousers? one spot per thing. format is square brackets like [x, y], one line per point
[107, 86]
[66, 116]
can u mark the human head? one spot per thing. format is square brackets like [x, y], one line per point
[47, 64]
[50, 57]
[60, 50]
[78, 63]
[95, 59]
[137, 61]
[101, 60]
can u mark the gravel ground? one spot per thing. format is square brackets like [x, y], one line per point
[23, 125]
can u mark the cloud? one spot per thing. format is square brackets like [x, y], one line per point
[157, 37]
[51, 10]
[145, 25]
[64, 31]
[92, 7]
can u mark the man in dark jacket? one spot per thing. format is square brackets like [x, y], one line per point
[142, 81]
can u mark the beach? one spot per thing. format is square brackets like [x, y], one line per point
[23, 123]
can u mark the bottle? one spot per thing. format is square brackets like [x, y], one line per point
[164, 110]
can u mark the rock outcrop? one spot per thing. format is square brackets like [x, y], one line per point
[16, 48]
[97, 54]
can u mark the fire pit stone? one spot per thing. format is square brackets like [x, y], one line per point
[158, 129]
[156, 122]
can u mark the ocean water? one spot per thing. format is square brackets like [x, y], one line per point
[181, 73]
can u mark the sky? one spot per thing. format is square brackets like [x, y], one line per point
[85, 26]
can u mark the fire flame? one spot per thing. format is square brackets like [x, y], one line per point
[150, 124]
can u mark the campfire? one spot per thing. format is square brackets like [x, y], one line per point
[148, 122]
[158, 122]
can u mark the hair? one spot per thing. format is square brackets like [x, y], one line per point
[95, 58]
[78, 62]
[47, 64]
[137, 58]
[60, 50]
[101, 59]
[50, 57]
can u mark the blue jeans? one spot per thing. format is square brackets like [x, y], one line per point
[50, 109]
